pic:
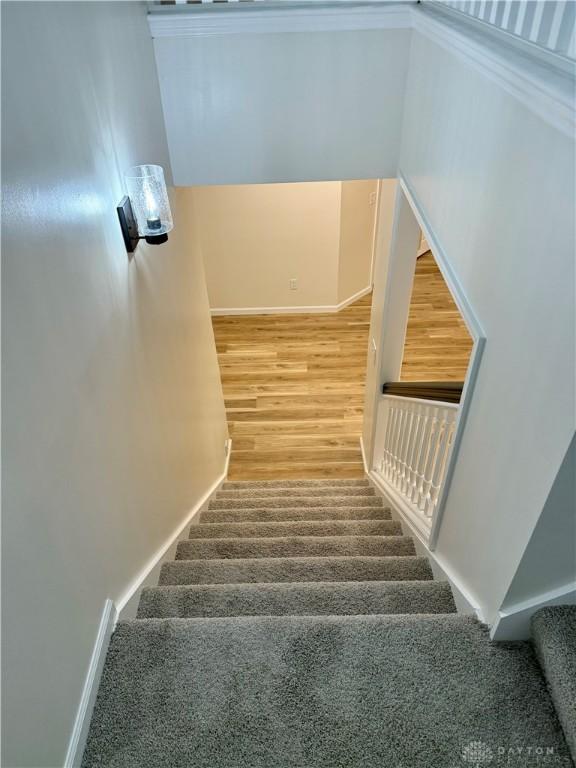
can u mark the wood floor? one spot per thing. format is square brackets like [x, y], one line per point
[294, 391]
[437, 345]
[294, 384]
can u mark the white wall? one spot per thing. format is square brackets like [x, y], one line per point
[495, 183]
[385, 217]
[357, 214]
[549, 561]
[300, 106]
[256, 238]
[113, 420]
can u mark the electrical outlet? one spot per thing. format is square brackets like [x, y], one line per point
[372, 198]
[293, 284]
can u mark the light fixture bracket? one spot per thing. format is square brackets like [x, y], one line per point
[128, 224]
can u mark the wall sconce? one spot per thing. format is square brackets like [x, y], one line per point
[145, 211]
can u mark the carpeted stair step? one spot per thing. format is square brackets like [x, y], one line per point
[296, 528]
[554, 637]
[298, 599]
[266, 570]
[265, 493]
[296, 501]
[240, 484]
[291, 513]
[318, 692]
[295, 546]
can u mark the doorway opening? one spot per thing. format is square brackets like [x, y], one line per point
[437, 344]
[424, 370]
[289, 277]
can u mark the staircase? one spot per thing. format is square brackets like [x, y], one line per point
[297, 628]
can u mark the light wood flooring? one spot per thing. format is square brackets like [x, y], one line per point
[294, 391]
[294, 384]
[437, 345]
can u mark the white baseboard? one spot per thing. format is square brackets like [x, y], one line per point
[466, 602]
[124, 608]
[318, 309]
[127, 603]
[513, 623]
[353, 298]
[92, 681]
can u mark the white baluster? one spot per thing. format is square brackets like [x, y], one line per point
[429, 461]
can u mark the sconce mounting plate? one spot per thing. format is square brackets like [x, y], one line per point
[128, 224]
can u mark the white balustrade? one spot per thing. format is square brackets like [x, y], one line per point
[413, 449]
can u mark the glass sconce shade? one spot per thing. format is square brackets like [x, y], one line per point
[149, 199]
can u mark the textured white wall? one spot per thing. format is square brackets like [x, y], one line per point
[303, 106]
[496, 185]
[113, 419]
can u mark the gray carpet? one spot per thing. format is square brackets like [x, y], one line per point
[296, 528]
[314, 484]
[297, 628]
[275, 502]
[295, 546]
[289, 513]
[295, 569]
[249, 493]
[554, 636]
[348, 598]
[317, 692]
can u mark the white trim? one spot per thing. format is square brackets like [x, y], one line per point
[466, 601]
[81, 725]
[363, 452]
[318, 309]
[513, 623]
[209, 21]
[477, 334]
[154, 563]
[358, 295]
[227, 460]
[541, 81]
[112, 613]
[375, 229]
[417, 525]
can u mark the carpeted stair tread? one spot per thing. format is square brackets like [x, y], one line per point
[291, 513]
[265, 493]
[296, 501]
[266, 570]
[300, 598]
[317, 692]
[295, 546]
[296, 528]
[242, 484]
[554, 637]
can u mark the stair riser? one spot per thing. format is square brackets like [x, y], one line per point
[233, 485]
[295, 502]
[266, 493]
[295, 569]
[289, 513]
[349, 598]
[298, 546]
[308, 528]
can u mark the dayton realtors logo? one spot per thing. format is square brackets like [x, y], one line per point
[477, 754]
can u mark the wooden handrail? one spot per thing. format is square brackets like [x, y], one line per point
[443, 391]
